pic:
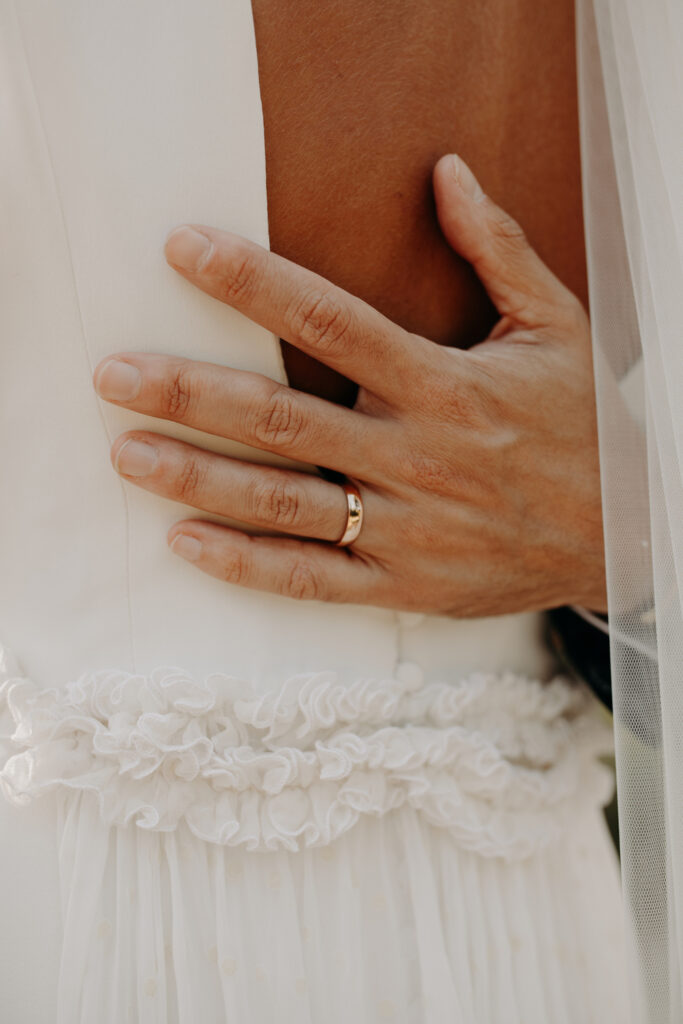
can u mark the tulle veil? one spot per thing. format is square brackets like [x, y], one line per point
[630, 72]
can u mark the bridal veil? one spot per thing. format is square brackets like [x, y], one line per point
[630, 67]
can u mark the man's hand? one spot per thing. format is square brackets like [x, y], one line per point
[478, 469]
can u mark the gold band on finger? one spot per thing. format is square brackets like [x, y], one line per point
[354, 516]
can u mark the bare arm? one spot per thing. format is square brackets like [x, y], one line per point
[361, 98]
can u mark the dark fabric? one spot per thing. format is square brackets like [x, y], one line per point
[585, 652]
[583, 649]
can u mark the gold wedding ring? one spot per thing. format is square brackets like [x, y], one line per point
[354, 516]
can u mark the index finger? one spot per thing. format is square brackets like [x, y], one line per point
[300, 306]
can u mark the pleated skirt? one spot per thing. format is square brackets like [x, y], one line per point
[393, 921]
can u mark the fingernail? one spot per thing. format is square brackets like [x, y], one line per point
[465, 179]
[188, 249]
[186, 546]
[136, 458]
[118, 381]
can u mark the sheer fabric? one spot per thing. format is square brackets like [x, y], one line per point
[631, 107]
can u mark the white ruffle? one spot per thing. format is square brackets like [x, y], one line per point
[500, 761]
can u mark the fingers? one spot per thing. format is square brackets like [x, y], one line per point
[519, 283]
[303, 308]
[305, 570]
[264, 496]
[243, 406]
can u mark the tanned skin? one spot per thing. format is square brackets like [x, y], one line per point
[360, 99]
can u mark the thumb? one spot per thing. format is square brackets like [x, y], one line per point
[517, 280]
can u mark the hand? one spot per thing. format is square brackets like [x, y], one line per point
[478, 469]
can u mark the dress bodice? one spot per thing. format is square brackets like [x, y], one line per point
[102, 157]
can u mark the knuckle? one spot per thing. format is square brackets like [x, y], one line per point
[429, 473]
[507, 231]
[321, 321]
[177, 394]
[189, 482]
[442, 476]
[455, 403]
[234, 567]
[239, 278]
[572, 316]
[303, 583]
[279, 421]
[276, 502]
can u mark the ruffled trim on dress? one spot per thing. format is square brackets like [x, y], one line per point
[501, 761]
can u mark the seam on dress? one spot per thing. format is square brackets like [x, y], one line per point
[264, 166]
[72, 269]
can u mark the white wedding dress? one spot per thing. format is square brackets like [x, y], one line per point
[221, 805]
